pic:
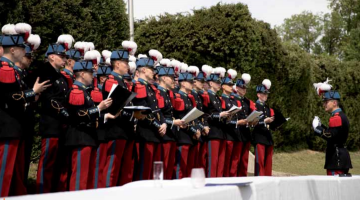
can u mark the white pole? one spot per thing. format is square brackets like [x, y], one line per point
[131, 18]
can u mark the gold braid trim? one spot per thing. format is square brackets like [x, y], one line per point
[18, 97]
[56, 105]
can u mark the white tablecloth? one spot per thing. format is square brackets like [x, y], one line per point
[302, 187]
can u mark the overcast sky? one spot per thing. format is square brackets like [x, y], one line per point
[271, 11]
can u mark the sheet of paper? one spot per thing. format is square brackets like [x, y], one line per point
[254, 115]
[234, 109]
[192, 115]
[112, 89]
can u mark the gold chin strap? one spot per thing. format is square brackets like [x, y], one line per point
[56, 105]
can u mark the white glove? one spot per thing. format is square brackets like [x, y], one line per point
[316, 122]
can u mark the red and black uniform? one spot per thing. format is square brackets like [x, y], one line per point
[337, 159]
[120, 136]
[52, 127]
[183, 105]
[14, 97]
[264, 144]
[81, 136]
[233, 137]
[248, 106]
[70, 77]
[216, 137]
[147, 130]
[197, 148]
[168, 142]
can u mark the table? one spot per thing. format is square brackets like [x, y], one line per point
[300, 187]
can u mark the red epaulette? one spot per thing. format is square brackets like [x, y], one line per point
[335, 121]
[96, 95]
[129, 86]
[7, 73]
[109, 83]
[223, 105]
[179, 104]
[77, 97]
[140, 89]
[238, 103]
[171, 94]
[206, 98]
[160, 99]
[192, 98]
[252, 106]
[272, 112]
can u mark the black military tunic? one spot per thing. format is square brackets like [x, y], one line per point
[212, 110]
[83, 117]
[337, 156]
[148, 129]
[123, 126]
[200, 106]
[53, 114]
[231, 129]
[183, 105]
[165, 104]
[261, 132]
[14, 97]
[247, 107]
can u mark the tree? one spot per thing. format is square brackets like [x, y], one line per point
[333, 33]
[303, 29]
[349, 10]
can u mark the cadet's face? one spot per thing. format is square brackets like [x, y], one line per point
[26, 62]
[198, 85]
[102, 79]
[87, 77]
[58, 60]
[70, 63]
[206, 86]
[1, 51]
[227, 88]
[149, 73]
[329, 105]
[215, 85]
[18, 53]
[123, 67]
[187, 85]
[241, 91]
[262, 96]
[169, 82]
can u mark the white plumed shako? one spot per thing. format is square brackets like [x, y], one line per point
[23, 28]
[246, 78]
[156, 56]
[165, 62]
[323, 87]
[106, 54]
[130, 46]
[207, 70]
[232, 74]
[93, 56]
[193, 70]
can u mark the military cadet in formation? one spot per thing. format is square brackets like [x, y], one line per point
[185, 134]
[262, 136]
[215, 117]
[150, 130]
[233, 137]
[104, 70]
[337, 158]
[197, 92]
[72, 55]
[166, 75]
[15, 95]
[247, 106]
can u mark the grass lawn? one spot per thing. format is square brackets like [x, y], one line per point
[307, 162]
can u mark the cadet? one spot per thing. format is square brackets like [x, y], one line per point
[72, 55]
[337, 159]
[262, 137]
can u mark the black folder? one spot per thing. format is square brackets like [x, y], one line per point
[121, 97]
[278, 121]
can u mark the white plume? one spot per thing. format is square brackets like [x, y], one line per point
[132, 59]
[155, 55]
[108, 61]
[23, 28]
[8, 29]
[193, 70]
[142, 56]
[89, 46]
[231, 73]
[80, 46]
[132, 67]
[234, 88]
[93, 56]
[207, 70]
[176, 65]
[183, 67]
[67, 40]
[221, 71]
[106, 54]
[34, 41]
[130, 46]
[267, 83]
[165, 62]
[246, 78]
[322, 87]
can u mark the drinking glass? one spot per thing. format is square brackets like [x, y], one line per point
[158, 173]
[198, 177]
